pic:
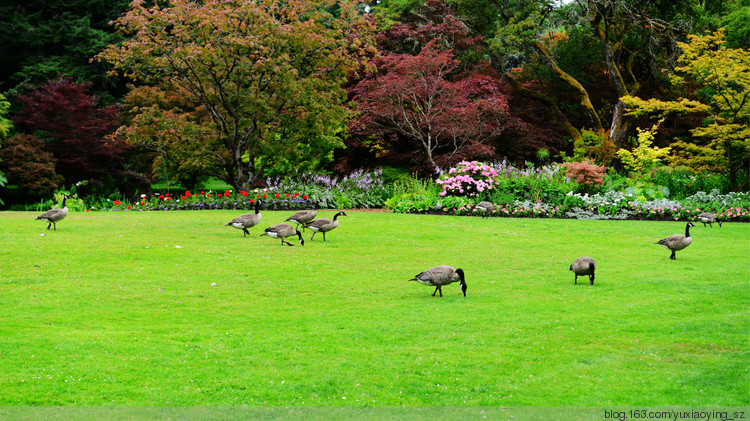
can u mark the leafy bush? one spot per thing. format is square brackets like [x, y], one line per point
[585, 173]
[682, 182]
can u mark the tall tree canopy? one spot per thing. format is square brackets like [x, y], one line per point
[43, 39]
[719, 80]
[267, 73]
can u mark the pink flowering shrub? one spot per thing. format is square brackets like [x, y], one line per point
[468, 179]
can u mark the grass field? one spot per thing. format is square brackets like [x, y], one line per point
[174, 308]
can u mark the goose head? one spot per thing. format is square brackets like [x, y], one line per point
[462, 280]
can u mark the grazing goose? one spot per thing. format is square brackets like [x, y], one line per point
[583, 266]
[302, 217]
[55, 215]
[678, 241]
[282, 231]
[708, 217]
[247, 220]
[324, 225]
[484, 208]
[439, 276]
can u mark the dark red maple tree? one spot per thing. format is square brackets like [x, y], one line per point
[74, 129]
[423, 99]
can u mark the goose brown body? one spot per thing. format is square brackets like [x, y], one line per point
[484, 208]
[282, 231]
[53, 216]
[439, 276]
[247, 220]
[677, 242]
[708, 218]
[583, 266]
[302, 217]
[324, 225]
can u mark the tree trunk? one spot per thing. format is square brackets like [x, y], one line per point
[574, 133]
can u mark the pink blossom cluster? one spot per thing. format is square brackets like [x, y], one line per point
[468, 179]
[734, 213]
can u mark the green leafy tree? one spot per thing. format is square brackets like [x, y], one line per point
[629, 36]
[5, 127]
[41, 40]
[722, 76]
[268, 74]
[644, 158]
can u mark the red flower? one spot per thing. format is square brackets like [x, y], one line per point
[129, 206]
[264, 196]
[208, 195]
[143, 202]
[227, 193]
[168, 198]
[161, 196]
[218, 195]
[257, 196]
[296, 194]
[276, 195]
[182, 197]
[187, 193]
[304, 197]
[244, 193]
[252, 200]
[202, 192]
[87, 210]
[287, 195]
[116, 202]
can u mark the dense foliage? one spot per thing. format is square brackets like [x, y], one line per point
[252, 92]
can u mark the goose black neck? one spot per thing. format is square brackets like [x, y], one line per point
[64, 199]
[687, 230]
[257, 206]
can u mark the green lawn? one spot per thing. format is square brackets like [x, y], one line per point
[119, 308]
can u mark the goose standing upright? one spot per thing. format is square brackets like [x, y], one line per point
[283, 231]
[247, 220]
[583, 266]
[677, 242]
[55, 215]
[303, 217]
[324, 225]
[439, 276]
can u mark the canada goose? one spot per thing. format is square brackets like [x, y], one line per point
[247, 220]
[302, 217]
[484, 208]
[439, 276]
[55, 215]
[282, 231]
[708, 217]
[678, 241]
[324, 225]
[583, 266]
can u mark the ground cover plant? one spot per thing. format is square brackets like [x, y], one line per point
[175, 308]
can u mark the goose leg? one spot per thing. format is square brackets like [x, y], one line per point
[313, 236]
[324, 236]
[244, 232]
[54, 226]
[441, 290]
[435, 292]
[575, 282]
[50, 224]
[674, 255]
